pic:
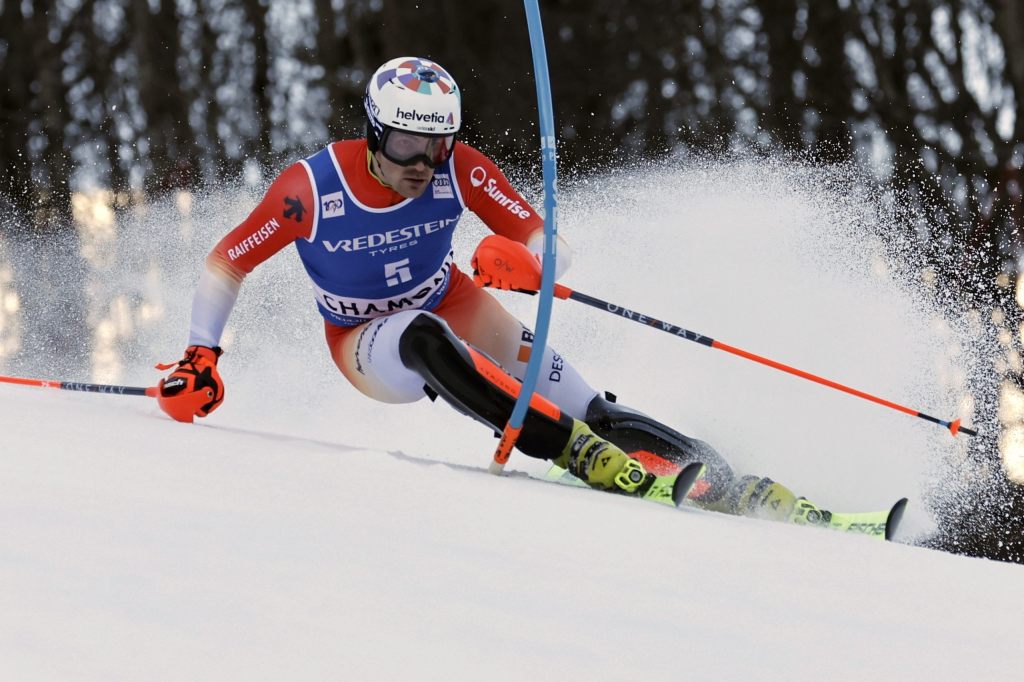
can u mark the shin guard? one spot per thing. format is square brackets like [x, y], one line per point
[476, 386]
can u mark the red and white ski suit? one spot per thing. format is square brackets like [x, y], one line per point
[288, 213]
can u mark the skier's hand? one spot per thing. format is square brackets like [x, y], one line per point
[194, 388]
[502, 263]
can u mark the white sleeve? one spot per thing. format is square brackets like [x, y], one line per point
[211, 306]
[563, 256]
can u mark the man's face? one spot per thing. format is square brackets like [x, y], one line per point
[409, 181]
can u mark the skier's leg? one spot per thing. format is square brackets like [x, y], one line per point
[719, 489]
[402, 357]
[478, 318]
[660, 447]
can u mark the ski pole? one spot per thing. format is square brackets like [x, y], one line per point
[565, 292]
[77, 386]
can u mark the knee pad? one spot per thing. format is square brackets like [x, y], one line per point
[476, 386]
[636, 433]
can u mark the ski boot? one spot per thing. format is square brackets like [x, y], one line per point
[601, 464]
[763, 498]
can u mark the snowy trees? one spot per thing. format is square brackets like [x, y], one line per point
[135, 94]
[163, 94]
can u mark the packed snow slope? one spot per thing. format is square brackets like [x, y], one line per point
[135, 548]
[304, 532]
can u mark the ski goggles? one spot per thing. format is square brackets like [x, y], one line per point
[405, 149]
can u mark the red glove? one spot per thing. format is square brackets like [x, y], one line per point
[195, 388]
[502, 263]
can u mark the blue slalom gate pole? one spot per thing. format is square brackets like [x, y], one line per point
[547, 279]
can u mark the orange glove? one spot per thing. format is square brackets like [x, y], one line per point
[502, 263]
[195, 388]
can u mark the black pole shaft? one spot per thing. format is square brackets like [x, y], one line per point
[102, 388]
[640, 318]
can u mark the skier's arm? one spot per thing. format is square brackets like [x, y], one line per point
[194, 388]
[284, 215]
[489, 194]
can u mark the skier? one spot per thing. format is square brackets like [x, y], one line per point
[372, 221]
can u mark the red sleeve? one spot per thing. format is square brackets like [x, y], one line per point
[284, 215]
[488, 193]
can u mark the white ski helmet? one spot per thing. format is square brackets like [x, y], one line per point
[413, 95]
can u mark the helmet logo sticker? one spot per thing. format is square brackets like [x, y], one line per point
[431, 117]
[418, 76]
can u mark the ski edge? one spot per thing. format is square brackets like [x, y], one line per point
[892, 522]
[685, 480]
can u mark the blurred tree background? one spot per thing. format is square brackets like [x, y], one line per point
[146, 97]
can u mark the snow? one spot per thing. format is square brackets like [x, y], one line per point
[137, 548]
[303, 532]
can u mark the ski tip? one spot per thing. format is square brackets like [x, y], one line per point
[687, 476]
[892, 522]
